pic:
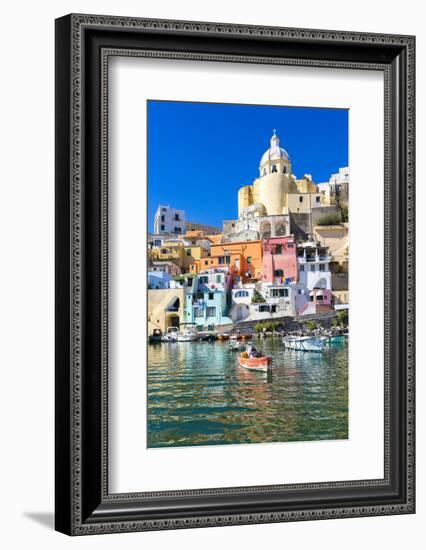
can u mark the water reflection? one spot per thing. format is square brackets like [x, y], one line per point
[197, 395]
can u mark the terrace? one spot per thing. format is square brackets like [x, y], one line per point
[311, 255]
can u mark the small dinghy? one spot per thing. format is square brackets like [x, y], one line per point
[262, 364]
[155, 337]
[233, 345]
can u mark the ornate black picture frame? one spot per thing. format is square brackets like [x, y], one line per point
[84, 44]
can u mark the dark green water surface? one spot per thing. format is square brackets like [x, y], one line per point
[198, 395]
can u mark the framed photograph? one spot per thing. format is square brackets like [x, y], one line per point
[234, 274]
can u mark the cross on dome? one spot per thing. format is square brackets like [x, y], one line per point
[275, 152]
[275, 140]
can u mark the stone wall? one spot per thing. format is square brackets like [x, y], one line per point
[302, 224]
[324, 320]
[229, 226]
[318, 213]
[339, 281]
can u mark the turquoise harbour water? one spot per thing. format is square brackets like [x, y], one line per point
[198, 395]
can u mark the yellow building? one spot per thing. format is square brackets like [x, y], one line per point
[181, 252]
[276, 188]
[172, 250]
[165, 308]
[336, 238]
[193, 254]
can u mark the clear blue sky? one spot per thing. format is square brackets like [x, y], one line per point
[200, 154]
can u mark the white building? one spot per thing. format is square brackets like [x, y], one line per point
[165, 266]
[337, 187]
[280, 300]
[340, 179]
[169, 220]
[314, 265]
[242, 296]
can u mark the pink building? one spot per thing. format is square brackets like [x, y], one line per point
[279, 260]
[320, 301]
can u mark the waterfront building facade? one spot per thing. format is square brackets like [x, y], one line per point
[241, 301]
[280, 300]
[207, 297]
[165, 308]
[336, 238]
[314, 265]
[279, 260]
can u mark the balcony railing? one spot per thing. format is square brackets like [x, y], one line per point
[313, 259]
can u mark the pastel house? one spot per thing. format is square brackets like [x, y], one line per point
[243, 258]
[207, 297]
[279, 260]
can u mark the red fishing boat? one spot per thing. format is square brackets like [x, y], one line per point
[262, 363]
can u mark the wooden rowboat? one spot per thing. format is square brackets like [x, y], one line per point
[223, 336]
[262, 364]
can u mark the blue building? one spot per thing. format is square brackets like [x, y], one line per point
[158, 279]
[207, 297]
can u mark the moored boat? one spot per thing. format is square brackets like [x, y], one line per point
[305, 343]
[207, 336]
[337, 339]
[188, 332]
[171, 335]
[224, 336]
[233, 345]
[262, 364]
[155, 336]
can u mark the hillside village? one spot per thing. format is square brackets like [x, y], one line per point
[285, 255]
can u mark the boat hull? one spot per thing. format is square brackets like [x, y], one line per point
[305, 344]
[261, 364]
[187, 338]
[168, 339]
[340, 339]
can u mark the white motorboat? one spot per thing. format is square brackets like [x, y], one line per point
[171, 335]
[188, 332]
[305, 343]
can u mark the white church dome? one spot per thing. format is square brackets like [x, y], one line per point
[275, 151]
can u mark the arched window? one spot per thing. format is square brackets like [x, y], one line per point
[264, 171]
[285, 170]
[274, 168]
[241, 294]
